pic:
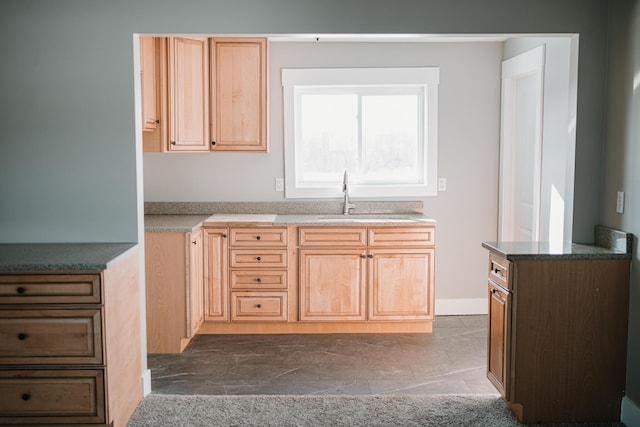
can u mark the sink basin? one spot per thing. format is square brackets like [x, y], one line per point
[367, 218]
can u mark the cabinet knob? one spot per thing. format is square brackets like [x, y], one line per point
[259, 280]
[259, 258]
[157, 122]
[195, 242]
[257, 237]
[20, 290]
[213, 143]
[22, 336]
[25, 396]
[173, 143]
[363, 256]
[224, 234]
[259, 305]
[369, 256]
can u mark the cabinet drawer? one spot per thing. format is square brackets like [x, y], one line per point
[333, 236]
[52, 397]
[258, 279]
[50, 336]
[401, 236]
[262, 306]
[499, 271]
[50, 289]
[271, 258]
[258, 237]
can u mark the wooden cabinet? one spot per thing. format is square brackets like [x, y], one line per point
[216, 252]
[258, 259]
[153, 79]
[557, 336]
[188, 76]
[174, 289]
[70, 346]
[204, 94]
[339, 267]
[239, 79]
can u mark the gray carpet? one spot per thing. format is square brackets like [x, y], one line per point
[323, 410]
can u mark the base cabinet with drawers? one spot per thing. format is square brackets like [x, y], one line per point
[557, 332]
[70, 346]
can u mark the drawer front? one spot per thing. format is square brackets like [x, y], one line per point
[380, 237]
[52, 397]
[258, 237]
[50, 336]
[266, 258]
[50, 289]
[333, 236]
[258, 279]
[259, 306]
[499, 271]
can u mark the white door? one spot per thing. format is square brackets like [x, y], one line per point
[521, 146]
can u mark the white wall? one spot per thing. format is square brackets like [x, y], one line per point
[558, 133]
[469, 117]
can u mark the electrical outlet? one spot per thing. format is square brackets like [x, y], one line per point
[279, 184]
[620, 202]
[442, 184]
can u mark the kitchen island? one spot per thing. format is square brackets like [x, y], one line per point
[557, 331]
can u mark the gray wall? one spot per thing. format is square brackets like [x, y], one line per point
[622, 156]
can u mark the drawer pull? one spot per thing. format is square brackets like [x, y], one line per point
[259, 280]
[259, 305]
[22, 336]
[259, 258]
[25, 396]
[257, 237]
[20, 290]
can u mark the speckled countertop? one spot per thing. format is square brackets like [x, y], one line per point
[173, 223]
[545, 250]
[60, 256]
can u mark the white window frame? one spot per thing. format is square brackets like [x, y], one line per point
[428, 77]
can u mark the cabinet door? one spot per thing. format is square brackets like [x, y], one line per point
[239, 94]
[401, 284]
[332, 284]
[149, 75]
[188, 94]
[196, 283]
[216, 274]
[498, 338]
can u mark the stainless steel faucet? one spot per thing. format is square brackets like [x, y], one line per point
[345, 190]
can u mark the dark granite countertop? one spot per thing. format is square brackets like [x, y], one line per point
[22, 257]
[546, 250]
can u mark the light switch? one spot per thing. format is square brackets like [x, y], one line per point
[620, 202]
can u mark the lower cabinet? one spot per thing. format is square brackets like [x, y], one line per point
[70, 346]
[174, 289]
[394, 266]
[557, 336]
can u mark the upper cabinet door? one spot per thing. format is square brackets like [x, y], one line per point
[149, 72]
[239, 94]
[188, 94]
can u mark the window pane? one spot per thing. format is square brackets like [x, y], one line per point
[328, 136]
[391, 148]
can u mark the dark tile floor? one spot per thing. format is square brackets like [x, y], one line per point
[451, 360]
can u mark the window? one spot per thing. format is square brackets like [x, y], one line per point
[379, 124]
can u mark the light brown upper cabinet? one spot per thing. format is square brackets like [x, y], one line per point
[239, 94]
[153, 76]
[188, 75]
[212, 92]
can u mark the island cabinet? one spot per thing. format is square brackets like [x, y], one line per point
[557, 331]
[70, 345]
[174, 289]
[366, 273]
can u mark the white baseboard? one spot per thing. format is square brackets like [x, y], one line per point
[454, 307]
[630, 412]
[146, 382]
